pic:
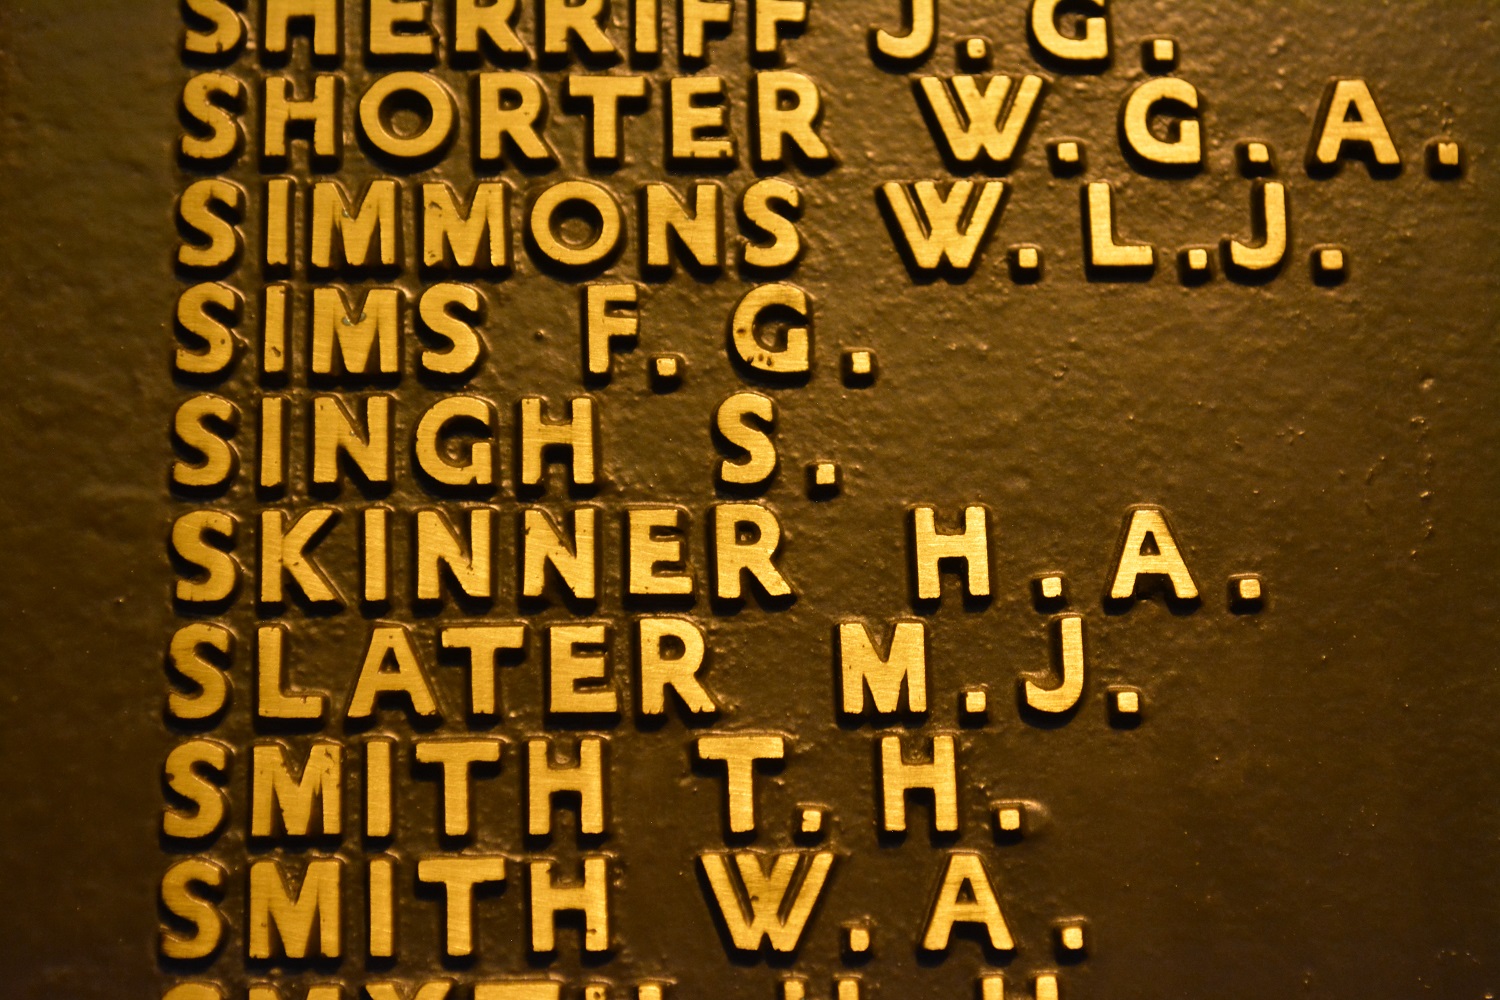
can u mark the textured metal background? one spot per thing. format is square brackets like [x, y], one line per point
[1310, 808]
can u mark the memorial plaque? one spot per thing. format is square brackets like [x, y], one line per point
[750, 499]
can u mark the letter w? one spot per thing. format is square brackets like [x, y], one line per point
[930, 227]
[985, 124]
[755, 906]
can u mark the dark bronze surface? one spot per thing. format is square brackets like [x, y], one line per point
[1309, 806]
